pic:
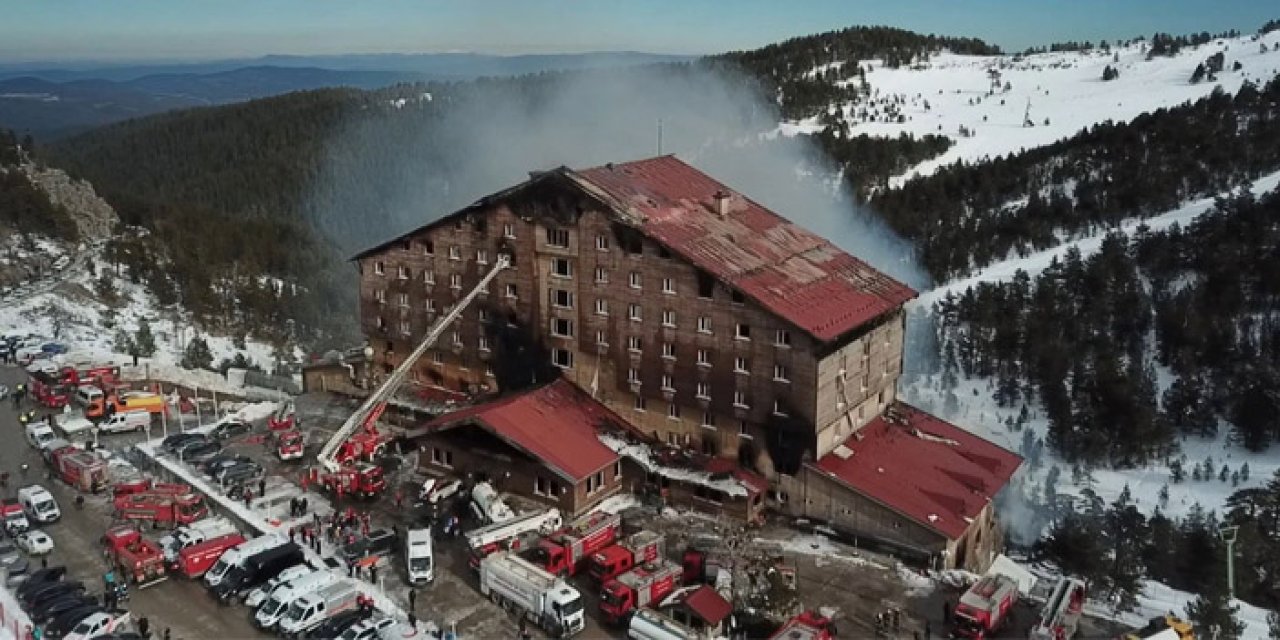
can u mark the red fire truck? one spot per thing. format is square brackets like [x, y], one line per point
[564, 552]
[196, 559]
[809, 625]
[139, 560]
[95, 374]
[80, 469]
[1061, 614]
[636, 549]
[985, 607]
[638, 588]
[289, 445]
[360, 480]
[49, 393]
[161, 509]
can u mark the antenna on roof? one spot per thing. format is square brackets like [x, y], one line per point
[659, 136]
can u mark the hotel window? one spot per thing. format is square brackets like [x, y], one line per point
[602, 307]
[428, 247]
[562, 298]
[488, 371]
[704, 324]
[508, 230]
[741, 365]
[542, 486]
[561, 268]
[617, 469]
[484, 343]
[602, 338]
[482, 315]
[402, 272]
[704, 358]
[673, 411]
[744, 430]
[704, 391]
[405, 328]
[482, 256]
[782, 338]
[740, 400]
[708, 420]
[634, 343]
[669, 350]
[780, 373]
[633, 376]
[634, 280]
[429, 276]
[379, 268]
[668, 285]
[602, 275]
[666, 383]
[437, 357]
[561, 328]
[602, 243]
[669, 318]
[430, 305]
[558, 238]
[380, 295]
[441, 457]
[640, 403]
[457, 339]
[743, 332]
[634, 312]
[403, 300]
[455, 253]
[562, 358]
[777, 409]
[455, 281]
[511, 291]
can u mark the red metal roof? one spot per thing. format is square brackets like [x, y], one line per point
[791, 272]
[708, 604]
[555, 423]
[923, 467]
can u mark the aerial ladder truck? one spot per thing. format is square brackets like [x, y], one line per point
[346, 462]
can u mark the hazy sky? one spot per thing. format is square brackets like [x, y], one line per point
[205, 29]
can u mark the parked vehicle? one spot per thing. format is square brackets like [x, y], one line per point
[379, 543]
[118, 402]
[194, 534]
[418, 557]
[985, 607]
[359, 480]
[39, 504]
[80, 469]
[255, 598]
[257, 570]
[229, 428]
[15, 517]
[564, 552]
[73, 425]
[336, 625]
[488, 506]
[63, 624]
[507, 535]
[237, 556]
[1060, 616]
[49, 394]
[290, 445]
[161, 509]
[35, 542]
[87, 394]
[50, 446]
[42, 590]
[198, 453]
[648, 624]
[434, 490]
[277, 604]
[196, 560]
[38, 433]
[140, 561]
[640, 587]
[46, 575]
[368, 629]
[97, 625]
[171, 443]
[544, 598]
[126, 422]
[239, 473]
[147, 485]
[312, 609]
[224, 459]
[636, 549]
[51, 609]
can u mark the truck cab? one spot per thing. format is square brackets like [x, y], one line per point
[39, 504]
[39, 433]
[15, 519]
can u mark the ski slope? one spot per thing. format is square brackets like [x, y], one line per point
[950, 91]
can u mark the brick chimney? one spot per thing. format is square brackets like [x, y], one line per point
[722, 203]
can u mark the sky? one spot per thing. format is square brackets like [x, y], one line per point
[172, 30]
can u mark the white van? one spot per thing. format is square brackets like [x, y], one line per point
[277, 604]
[126, 421]
[419, 563]
[86, 394]
[238, 555]
[39, 433]
[39, 504]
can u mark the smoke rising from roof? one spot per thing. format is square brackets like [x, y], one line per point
[430, 157]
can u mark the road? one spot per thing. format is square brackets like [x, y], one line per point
[177, 604]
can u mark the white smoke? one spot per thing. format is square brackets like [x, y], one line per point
[457, 149]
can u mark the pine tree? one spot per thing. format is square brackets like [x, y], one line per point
[1214, 615]
[105, 288]
[123, 343]
[197, 355]
[1273, 617]
[1244, 472]
[145, 341]
[1198, 74]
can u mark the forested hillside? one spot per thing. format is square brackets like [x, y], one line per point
[23, 206]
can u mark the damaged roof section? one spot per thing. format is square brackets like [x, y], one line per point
[796, 274]
[555, 423]
[713, 473]
[924, 467]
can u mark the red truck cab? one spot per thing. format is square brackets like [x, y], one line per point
[290, 445]
[564, 552]
[637, 549]
[640, 587]
[161, 509]
[196, 559]
[985, 607]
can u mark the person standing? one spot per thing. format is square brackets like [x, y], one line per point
[144, 627]
[262, 486]
[413, 599]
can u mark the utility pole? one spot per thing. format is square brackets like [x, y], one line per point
[1228, 535]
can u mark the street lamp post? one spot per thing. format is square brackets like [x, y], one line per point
[1228, 535]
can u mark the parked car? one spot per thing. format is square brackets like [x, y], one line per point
[171, 443]
[230, 428]
[224, 459]
[240, 473]
[46, 589]
[53, 347]
[181, 449]
[51, 609]
[379, 542]
[46, 575]
[368, 629]
[34, 542]
[200, 452]
[63, 624]
[333, 627]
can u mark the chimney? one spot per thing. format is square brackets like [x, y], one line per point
[722, 203]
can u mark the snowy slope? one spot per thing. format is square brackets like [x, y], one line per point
[1066, 88]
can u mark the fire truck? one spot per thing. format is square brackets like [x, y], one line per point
[100, 375]
[809, 625]
[142, 484]
[985, 607]
[139, 560]
[638, 588]
[285, 418]
[49, 393]
[1060, 616]
[161, 509]
[564, 552]
[358, 439]
[508, 535]
[290, 444]
[80, 469]
[637, 549]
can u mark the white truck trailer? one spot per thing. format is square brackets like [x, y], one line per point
[517, 584]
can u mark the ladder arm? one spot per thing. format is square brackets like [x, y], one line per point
[377, 399]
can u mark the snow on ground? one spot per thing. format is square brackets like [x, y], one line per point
[1066, 88]
[1037, 262]
[1158, 600]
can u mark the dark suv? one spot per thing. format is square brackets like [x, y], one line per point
[379, 542]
